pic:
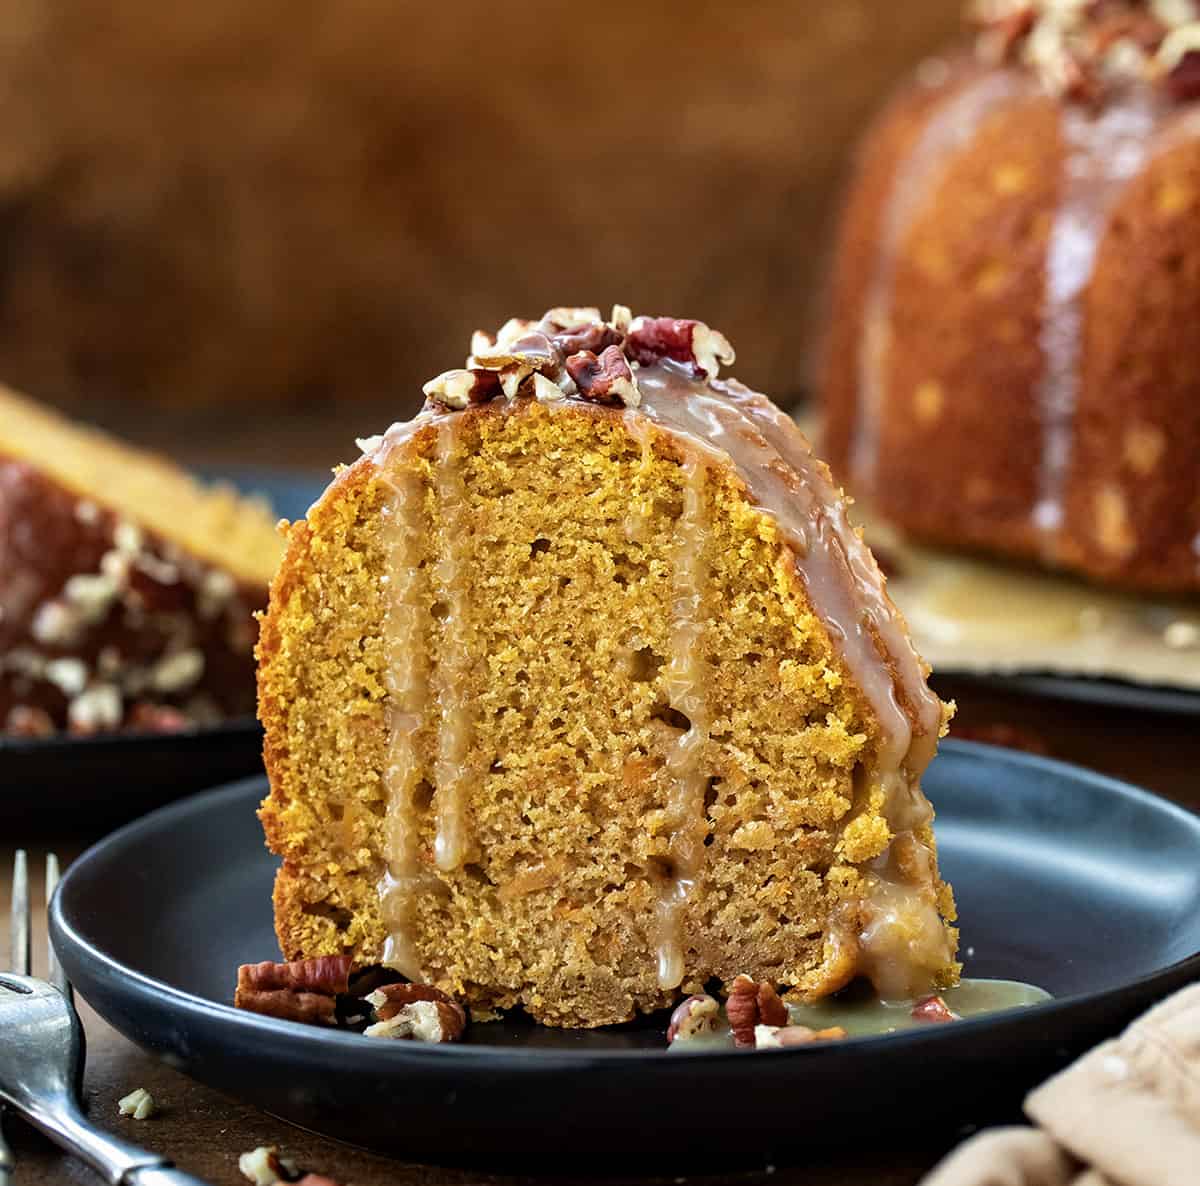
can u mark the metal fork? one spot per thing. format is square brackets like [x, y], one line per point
[41, 1059]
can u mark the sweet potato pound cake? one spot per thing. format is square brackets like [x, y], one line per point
[580, 692]
[1018, 266]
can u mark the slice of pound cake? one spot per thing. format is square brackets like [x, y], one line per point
[127, 591]
[580, 692]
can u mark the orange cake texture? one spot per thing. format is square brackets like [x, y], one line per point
[580, 692]
[1016, 282]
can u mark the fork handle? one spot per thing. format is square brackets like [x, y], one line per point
[118, 1162]
[160, 1175]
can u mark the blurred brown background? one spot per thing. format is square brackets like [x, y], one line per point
[280, 204]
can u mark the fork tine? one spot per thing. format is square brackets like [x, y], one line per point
[57, 975]
[19, 928]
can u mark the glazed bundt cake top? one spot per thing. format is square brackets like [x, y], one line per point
[1087, 50]
[664, 371]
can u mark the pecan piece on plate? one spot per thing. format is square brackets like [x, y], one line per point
[933, 1008]
[303, 990]
[415, 1011]
[697, 1015]
[752, 1003]
[768, 1037]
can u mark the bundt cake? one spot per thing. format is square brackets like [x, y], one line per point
[579, 691]
[1008, 362]
[127, 591]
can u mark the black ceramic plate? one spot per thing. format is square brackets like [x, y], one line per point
[108, 779]
[1086, 886]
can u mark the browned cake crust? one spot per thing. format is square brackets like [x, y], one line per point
[108, 622]
[519, 563]
[996, 414]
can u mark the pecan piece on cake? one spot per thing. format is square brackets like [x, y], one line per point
[604, 379]
[652, 339]
[458, 388]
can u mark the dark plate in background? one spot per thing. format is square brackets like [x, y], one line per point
[1086, 886]
[112, 778]
[1084, 690]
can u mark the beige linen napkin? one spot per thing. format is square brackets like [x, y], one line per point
[1125, 1114]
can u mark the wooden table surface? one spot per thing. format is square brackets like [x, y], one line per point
[204, 1131]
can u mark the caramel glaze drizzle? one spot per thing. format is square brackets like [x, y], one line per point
[900, 938]
[686, 680]
[1102, 152]
[712, 423]
[456, 731]
[407, 685]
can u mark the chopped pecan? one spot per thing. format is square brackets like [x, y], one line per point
[697, 1015]
[389, 999]
[1001, 34]
[771, 1036]
[564, 317]
[1141, 28]
[147, 717]
[417, 1011]
[264, 1166]
[534, 350]
[512, 329]
[546, 390]
[1183, 79]
[1077, 80]
[303, 990]
[594, 337]
[139, 1104]
[456, 389]
[604, 380]
[750, 1004]
[933, 1008]
[26, 721]
[652, 339]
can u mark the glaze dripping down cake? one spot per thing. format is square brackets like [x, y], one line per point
[1017, 275]
[580, 692]
[127, 590]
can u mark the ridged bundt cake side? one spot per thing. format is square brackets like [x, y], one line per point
[1017, 268]
[127, 590]
[583, 694]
